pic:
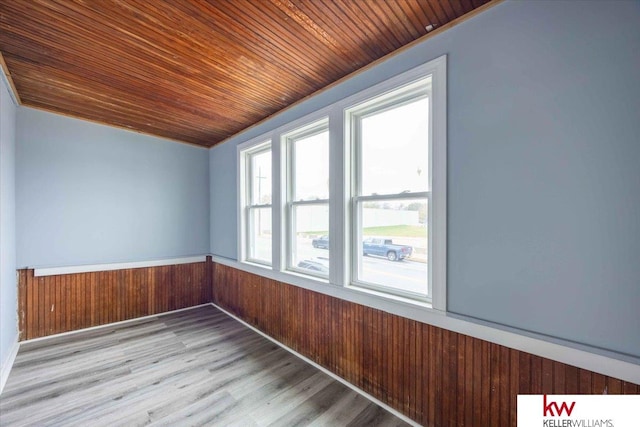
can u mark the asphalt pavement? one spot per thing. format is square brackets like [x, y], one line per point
[404, 275]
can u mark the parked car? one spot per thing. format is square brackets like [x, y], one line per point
[321, 242]
[319, 265]
[386, 248]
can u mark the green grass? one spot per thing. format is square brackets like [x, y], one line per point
[313, 233]
[386, 231]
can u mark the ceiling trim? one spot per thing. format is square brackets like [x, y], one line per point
[6, 77]
[97, 122]
[387, 57]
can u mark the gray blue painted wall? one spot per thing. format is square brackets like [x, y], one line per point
[90, 194]
[8, 286]
[543, 167]
[224, 202]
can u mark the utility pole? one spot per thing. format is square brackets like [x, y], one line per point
[260, 177]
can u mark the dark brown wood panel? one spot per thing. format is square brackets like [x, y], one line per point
[198, 71]
[434, 376]
[54, 304]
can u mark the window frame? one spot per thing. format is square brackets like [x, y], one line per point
[288, 139]
[246, 152]
[378, 103]
[437, 201]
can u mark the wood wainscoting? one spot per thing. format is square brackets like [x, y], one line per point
[432, 375]
[50, 305]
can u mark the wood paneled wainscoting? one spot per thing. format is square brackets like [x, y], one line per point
[50, 305]
[434, 376]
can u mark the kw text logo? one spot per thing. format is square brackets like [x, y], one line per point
[548, 410]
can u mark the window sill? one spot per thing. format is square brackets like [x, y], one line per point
[402, 306]
[289, 277]
[392, 297]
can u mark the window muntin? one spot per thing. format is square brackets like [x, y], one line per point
[390, 136]
[258, 210]
[308, 199]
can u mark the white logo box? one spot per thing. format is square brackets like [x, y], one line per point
[578, 410]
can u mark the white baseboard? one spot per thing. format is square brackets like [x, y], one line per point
[8, 364]
[323, 369]
[92, 328]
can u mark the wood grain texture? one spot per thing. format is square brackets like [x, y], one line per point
[194, 367]
[198, 71]
[54, 304]
[434, 376]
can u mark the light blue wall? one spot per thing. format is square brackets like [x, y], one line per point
[224, 204]
[88, 193]
[544, 178]
[8, 286]
[543, 167]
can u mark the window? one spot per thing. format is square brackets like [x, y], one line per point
[258, 208]
[354, 195]
[390, 140]
[307, 216]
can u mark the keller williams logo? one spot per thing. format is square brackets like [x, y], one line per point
[548, 408]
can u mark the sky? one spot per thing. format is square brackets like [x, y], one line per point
[394, 156]
[395, 149]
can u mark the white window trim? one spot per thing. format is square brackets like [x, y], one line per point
[279, 152]
[437, 199]
[245, 150]
[376, 102]
[308, 129]
[340, 209]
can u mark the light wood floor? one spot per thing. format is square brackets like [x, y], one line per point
[195, 367]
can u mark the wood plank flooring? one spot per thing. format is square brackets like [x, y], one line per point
[195, 367]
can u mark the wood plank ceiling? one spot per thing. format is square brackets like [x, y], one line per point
[199, 71]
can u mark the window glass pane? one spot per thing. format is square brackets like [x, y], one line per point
[310, 235]
[311, 167]
[261, 178]
[394, 245]
[395, 149]
[259, 233]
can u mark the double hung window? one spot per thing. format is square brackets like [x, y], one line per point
[308, 199]
[390, 186]
[258, 208]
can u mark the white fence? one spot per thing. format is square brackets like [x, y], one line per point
[316, 218]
